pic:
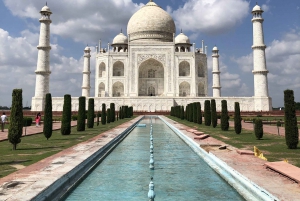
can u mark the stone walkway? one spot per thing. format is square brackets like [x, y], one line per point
[32, 130]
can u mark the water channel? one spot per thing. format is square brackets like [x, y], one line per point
[179, 174]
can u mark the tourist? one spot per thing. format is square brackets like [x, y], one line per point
[3, 121]
[37, 119]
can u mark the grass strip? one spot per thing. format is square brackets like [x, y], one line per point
[272, 146]
[34, 148]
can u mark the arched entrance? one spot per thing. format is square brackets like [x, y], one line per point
[118, 89]
[151, 78]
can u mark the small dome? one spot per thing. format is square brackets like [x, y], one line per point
[151, 23]
[215, 48]
[120, 39]
[256, 8]
[46, 9]
[182, 39]
[87, 48]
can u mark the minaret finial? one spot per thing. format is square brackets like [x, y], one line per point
[121, 30]
[181, 30]
[151, 1]
[46, 3]
[256, 3]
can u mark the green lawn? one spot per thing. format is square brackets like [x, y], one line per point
[36, 147]
[272, 146]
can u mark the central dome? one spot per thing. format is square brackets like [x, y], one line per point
[151, 23]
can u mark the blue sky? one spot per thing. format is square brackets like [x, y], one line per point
[225, 23]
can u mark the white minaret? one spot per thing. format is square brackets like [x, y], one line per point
[259, 59]
[86, 73]
[216, 73]
[43, 63]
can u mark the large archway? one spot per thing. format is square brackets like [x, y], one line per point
[118, 89]
[184, 89]
[151, 78]
[118, 69]
[101, 91]
[201, 91]
[184, 68]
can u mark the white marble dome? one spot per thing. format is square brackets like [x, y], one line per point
[256, 8]
[215, 48]
[46, 9]
[87, 48]
[120, 39]
[151, 23]
[182, 39]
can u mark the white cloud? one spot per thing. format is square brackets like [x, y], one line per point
[18, 59]
[211, 16]
[283, 58]
[265, 7]
[79, 20]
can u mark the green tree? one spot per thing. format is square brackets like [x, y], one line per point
[98, 118]
[207, 113]
[103, 114]
[91, 113]
[120, 113]
[258, 129]
[108, 115]
[290, 120]
[214, 118]
[47, 129]
[199, 115]
[194, 105]
[224, 116]
[16, 118]
[237, 118]
[113, 112]
[81, 114]
[182, 112]
[66, 117]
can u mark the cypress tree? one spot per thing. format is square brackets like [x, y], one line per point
[98, 118]
[207, 113]
[16, 118]
[198, 108]
[126, 111]
[237, 118]
[66, 118]
[290, 119]
[258, 129]
[108, 115]
[224, 116]
[117, 116]
[113, 112]
[103, 114]
[214, 118]
[194, 112]
[81, 114]
[91, 113]
[120, 113]
[47, 130]
[181, 112]
[191, 112]
[200, 114]
[185, 114]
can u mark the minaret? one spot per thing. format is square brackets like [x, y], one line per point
[86, 73]
[43, 62]
[259, 59]
[216, 73]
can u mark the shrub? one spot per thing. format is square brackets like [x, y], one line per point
[120, 113]
[214, 120]
[207, 113]
[91, 113]
[27, 121]
[237, 118]
[290, 120]
[48, 127]
[108, 115]
[66, 117]
[103, 114]
[81, 114]
[224, 116]
[181, 112]
[191, 112]
[199, 115]
[74, 117]
[258, 128]
[113, 112]
[16, 118]
[98, 117]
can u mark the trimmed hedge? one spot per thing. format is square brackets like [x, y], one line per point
[16, 118]
[214, 119]
[207, 113]
[103, 114]
[66, 117]
[237, 118]
[27, 121]
[48, 126]
[81, 114]
[108, 115]
[224, 116]
[91, 113]
[290, 120]
[258, 129]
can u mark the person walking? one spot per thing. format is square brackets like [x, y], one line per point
[37, 119]
[3, 121]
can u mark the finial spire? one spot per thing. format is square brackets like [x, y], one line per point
[46, 3]
[256, 3]
[121, 30]
[181, 31]
[151, 1]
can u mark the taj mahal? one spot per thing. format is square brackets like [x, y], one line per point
[152, 68]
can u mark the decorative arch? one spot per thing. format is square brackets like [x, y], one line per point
[201, 91]
[184, 68]
[151, 78]
[201, 70]
[102, 69]
[118, 89]
[184, 89]
[118, 68]
[101, 91]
